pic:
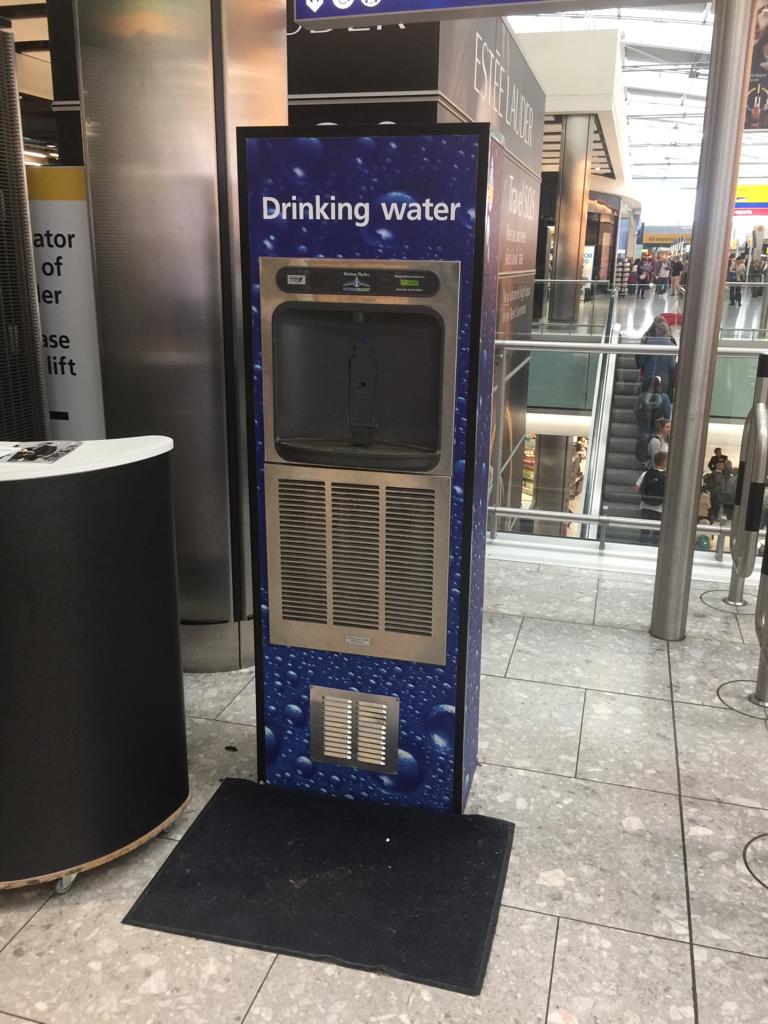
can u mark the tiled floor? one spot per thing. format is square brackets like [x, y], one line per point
[629, 897]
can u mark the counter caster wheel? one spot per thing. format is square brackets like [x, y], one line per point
[65, 883]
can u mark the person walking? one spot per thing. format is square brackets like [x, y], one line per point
[643, 279]
[662, 277]
[676, 274]
[737, 276]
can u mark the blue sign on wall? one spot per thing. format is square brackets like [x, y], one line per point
[348, 11]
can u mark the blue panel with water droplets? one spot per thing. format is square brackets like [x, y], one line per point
[404, 168]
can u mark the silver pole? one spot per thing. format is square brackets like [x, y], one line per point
[718, 175]
[720, 546]
[747, 511]
[760, 696]
[501, 389]
[735, 596]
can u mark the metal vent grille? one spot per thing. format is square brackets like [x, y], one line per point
[337, 727]
[410, 560]
[303, 555]
[358, 562]
[355, 530]
[372, 732]
[23, 406]
[356, 729]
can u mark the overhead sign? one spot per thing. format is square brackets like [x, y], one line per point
[347, 12]
[756, 111]
[751, 201]
[65, 293]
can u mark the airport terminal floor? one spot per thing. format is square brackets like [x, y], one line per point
[632, 774]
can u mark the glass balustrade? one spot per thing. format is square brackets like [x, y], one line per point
[572, 423]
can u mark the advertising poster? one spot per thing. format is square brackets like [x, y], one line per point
[751, 201]
[65, 293]
[756, 113]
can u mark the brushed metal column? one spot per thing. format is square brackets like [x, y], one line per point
[718, 175]
[571, 215]
[163, 87]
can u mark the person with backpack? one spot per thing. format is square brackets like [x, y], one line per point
[676, 268]
[643, 279]
[721, 483]
[659, 443]
[650, 366]
[650, 485]
[652, 405]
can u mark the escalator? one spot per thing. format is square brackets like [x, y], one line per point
[621, 466]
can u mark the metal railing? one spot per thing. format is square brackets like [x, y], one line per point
[652, 525]
[604, 348]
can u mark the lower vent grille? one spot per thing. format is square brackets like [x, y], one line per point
[356, 729]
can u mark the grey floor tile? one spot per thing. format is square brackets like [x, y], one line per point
[629, 605]
[602, 854]
[700, 666]
[568, 570]
[17, 906]
[570, 598]
[499, 636]
[705, 622]
[599, 658]
[747, 629]
[628, 740]
[729, 908]
[603, 976]
[243, 708]
[206, 694]
[515, 989]
[77, 962]
[625, 603]
[530, 725]
[494, 565]
[721, 754]
[731, 987]
[210, 761]
[634, 578]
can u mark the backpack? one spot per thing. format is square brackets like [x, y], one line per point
[641, 449]
[728, 493]
[652, 487]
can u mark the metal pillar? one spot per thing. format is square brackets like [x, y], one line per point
[718, 173]
[760, 696]
[571, 215]
[748, 507]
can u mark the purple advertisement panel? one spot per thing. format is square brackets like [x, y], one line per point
[392, 195]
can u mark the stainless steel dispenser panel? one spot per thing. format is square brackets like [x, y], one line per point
[444, 303]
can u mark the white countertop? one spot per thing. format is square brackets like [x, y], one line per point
[88, 457]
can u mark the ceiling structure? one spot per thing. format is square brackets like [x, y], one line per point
[665, 65]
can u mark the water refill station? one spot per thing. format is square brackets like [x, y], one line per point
[371, 268]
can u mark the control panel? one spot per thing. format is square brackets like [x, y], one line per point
[349, 281]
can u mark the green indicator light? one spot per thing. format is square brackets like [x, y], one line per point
[409, 282]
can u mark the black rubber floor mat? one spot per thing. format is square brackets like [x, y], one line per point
[401, 891]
